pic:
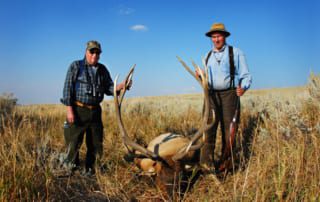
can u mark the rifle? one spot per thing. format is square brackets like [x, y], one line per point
[232, 130]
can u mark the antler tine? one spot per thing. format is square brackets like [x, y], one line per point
[115, 88]
[195, 65]
[127, 81]
[203, 75]
[205, 126]
[188, 69]
[205, 69]
[200, 72]
[118, 109]
[204, 63]
[190, 147]
[126, 140]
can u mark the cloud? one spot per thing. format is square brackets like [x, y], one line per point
[139, 28]
[126, 11]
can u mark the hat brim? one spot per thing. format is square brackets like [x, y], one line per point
[90, 48]
[226, 34]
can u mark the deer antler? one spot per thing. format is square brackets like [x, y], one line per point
[203, 81]
[126, 140]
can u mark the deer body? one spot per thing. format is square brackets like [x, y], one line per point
[165, 146]
[167, 155]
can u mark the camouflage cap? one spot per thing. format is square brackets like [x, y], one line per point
[93, 44]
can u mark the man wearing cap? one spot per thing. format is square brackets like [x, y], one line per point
[86, 83]
[229, 78]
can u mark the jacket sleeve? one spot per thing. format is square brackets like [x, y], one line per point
[68, 89]
[108, 83]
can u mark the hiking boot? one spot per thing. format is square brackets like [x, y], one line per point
[221, 176]
[207, 169]
[88, 172]
[225, 166]
[65, 169]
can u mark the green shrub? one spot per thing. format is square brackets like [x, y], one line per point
[7, 104]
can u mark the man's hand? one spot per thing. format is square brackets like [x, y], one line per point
[198, 73]
[70, 115]
[240, 91]
[122, 85]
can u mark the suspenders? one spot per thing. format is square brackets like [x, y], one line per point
[231, 62]
[232, 68]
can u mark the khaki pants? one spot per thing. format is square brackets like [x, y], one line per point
[87, 121]
[224, 105]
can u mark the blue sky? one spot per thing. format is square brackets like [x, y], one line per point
[40, 38]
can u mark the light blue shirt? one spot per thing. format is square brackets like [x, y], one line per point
[219, 73]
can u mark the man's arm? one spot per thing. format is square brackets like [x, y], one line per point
[244, 74]
[109, 83]
[68, 93]
[70, 114]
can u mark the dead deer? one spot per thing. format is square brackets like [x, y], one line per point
[167, 155]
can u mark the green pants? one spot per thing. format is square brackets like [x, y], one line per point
[224, 105]
[86, 121]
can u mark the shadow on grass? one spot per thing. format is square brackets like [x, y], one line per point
[251, 124]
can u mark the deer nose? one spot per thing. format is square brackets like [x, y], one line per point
[151, 170]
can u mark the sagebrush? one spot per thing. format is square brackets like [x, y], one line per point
[278, 145]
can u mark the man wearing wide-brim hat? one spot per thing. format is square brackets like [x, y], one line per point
[229, 78]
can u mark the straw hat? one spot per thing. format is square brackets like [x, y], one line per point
[218, 27]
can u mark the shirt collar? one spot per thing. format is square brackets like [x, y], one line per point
[88, 65]
[221, 50]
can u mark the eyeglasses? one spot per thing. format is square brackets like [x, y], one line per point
[94, 51]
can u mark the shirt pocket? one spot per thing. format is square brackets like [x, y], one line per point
[225, 69]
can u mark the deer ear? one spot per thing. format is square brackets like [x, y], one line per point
[137, 161]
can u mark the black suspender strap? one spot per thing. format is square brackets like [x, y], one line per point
[78, 71]
[208, 56]
[232, 68]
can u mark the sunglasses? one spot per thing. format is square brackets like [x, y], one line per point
[94, 51]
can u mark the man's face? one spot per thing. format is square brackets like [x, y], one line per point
[218, 40]
[93, 56]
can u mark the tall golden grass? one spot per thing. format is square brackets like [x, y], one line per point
[278, 145]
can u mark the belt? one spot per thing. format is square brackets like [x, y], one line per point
[214, 90]
[80, 104]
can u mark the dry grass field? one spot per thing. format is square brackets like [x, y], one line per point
[278, 146]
